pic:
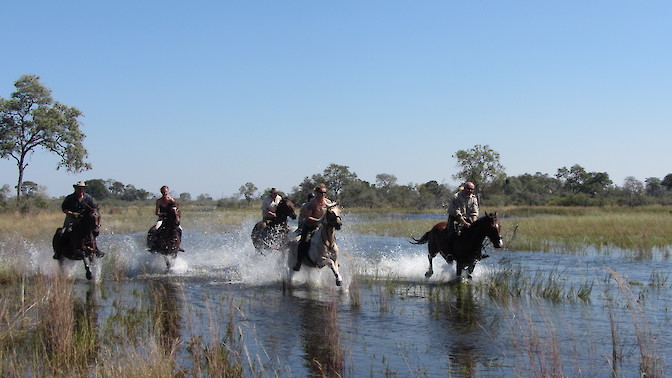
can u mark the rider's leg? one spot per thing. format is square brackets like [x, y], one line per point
[303, 247]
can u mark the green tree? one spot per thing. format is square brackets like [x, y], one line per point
[653, 187]
[247, 191]
[576, 180]
[31, 119]
[97, 189]
[479, 165]
[336, 177]
[667, 181]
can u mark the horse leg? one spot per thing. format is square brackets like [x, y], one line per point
[430, 256]
[89, 275]
[334, 268]
[458, 268]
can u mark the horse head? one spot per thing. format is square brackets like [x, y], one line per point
[332, 217]
[493, 229]
[285, 209]
[91, 219]
[174, 213]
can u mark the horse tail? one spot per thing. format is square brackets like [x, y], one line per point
[424, 239]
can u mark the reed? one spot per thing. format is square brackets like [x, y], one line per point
[559, 229]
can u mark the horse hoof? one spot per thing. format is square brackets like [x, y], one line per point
[89, 276]
[339, 282]
[428, 274]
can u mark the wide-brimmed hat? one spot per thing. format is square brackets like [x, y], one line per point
[80, 184]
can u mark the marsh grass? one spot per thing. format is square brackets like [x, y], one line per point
[54, 333]
[556, 229]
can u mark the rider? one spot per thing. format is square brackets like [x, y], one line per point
[462, 211]
[73, 205]
[302, 213]
[314, 211]
[269, 205]
[163, 205]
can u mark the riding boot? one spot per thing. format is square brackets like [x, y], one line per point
[301, 253]
[99, 253]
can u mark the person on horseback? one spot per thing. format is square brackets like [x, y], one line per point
[462, 212]
[163, 205]
[302, 213]
[270, 204]
[314, 211]
[73, 206]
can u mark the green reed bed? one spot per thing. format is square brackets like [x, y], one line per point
[558, 229]
[48, 331]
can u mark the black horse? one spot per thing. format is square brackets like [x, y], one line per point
[167, 239]
[465, 248]
[274, 233]
[80, 242]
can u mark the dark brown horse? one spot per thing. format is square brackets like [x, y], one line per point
[465, 248]
[80, 242]
[167, 239]
[274, 233]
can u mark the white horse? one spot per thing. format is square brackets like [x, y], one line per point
[323, 249]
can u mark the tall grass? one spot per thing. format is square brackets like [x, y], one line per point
[559, 229]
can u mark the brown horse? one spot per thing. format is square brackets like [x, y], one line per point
[274, 233]
[167, 239]
[323, 249]
[465, 248]
[80, 242]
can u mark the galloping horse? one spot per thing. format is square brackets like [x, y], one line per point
[80, 242]
[167, 239]
[274, 234]
[466, 247]
[323, 249]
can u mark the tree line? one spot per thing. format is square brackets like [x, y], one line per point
[32, 119]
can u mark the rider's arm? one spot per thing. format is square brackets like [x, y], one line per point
[158, 208]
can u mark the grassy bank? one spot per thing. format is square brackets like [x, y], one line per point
[569, 229]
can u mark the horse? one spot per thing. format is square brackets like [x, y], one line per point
[466, 247]
[80, 242]
[323, 249]
[274, 233]
[167, 239]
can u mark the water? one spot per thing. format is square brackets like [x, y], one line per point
[394, 321]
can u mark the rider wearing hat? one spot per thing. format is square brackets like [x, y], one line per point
[73, 205]
[270, 204]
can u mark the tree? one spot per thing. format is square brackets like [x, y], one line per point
[97, 189]
[185, 196]
[576, 180]
[32, 119]
[653, 187]
[634, 190]
[247, 191]
[386, 181]
[336, 177]
[480, 165]
[667, 181]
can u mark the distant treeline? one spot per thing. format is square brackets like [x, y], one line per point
[569, 187]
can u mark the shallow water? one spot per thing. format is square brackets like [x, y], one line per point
[391, 320]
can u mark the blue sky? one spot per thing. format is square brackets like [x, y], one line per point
[204, 96]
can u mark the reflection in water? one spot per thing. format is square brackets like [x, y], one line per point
[85, 322]
[321, 337]
[462, 319]
[167, 300]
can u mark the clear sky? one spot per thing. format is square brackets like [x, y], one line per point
[204, 96]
